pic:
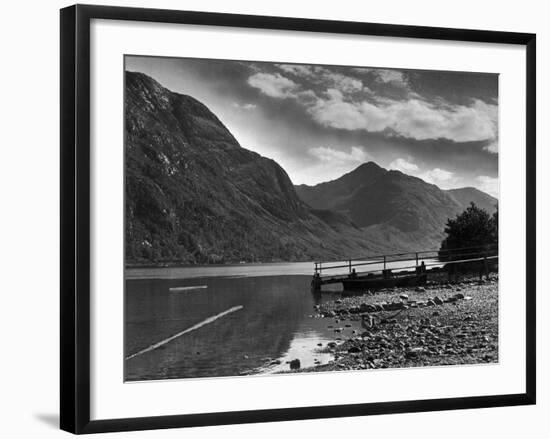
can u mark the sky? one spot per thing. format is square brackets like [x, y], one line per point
[320, 122]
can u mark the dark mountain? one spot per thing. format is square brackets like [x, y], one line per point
[194, 195]
[406, 210]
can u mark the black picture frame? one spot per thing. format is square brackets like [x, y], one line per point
[75, 217]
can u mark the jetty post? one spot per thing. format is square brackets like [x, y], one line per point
[316, 282]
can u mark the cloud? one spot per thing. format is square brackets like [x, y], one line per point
[335, 112]
[343, 83]
[488, 184]
[297, 69]
[492, 147]
[445, 179]
[390, 76]
[244, 106]
[413, 118]
[330, 163]
[395, 78]
[340, 101]
[273, 85]
[421, 120]
[440, 177]
[323, 77]
[400, 164]
[337, 157]
[306, 96]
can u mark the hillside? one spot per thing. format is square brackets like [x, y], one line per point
[194, 195]
[408, 212]
[466, 195]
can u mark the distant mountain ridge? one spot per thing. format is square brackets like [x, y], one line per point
[194, 195]
[466, 195]
[405, 209]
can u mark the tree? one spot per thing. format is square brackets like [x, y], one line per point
[474, 231]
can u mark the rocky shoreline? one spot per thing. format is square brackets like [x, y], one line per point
[438, 324]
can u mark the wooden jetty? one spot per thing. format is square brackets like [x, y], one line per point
[404, 269]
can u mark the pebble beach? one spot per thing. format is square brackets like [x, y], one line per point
[436, 324]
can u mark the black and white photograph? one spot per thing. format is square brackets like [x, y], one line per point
[287, 218]
[271, 220]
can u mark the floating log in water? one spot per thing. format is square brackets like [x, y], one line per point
[184, 289]
[179, 334]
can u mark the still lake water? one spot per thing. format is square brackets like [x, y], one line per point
[173, 327]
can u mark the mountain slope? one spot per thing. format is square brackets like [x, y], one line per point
[408, 212]
[466, 195]
[194, 195]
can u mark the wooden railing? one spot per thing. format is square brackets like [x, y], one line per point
[426, 258]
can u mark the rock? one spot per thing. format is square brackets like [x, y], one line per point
[319, 344]
[468, 298]
[354, 350]
[420, 289]
[404, 297]
[437, 300]
[347, 325]
[394, 306]
[459, 296]
[274, 362]
[413, 352]
[338, 302]
[435, 313]
[295, 364]
[364, 307]
[430, 303]
[331, 344]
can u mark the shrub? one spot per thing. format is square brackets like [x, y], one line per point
[471, 234]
